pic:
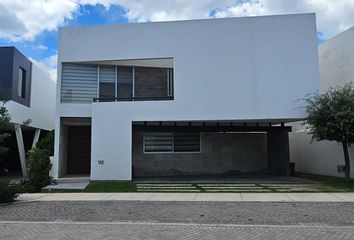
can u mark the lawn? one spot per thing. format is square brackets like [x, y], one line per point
[100, 187]
[111, 187]
[333, 182]
[322, 183]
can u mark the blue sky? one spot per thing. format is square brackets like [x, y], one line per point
[32, 25]
[45, 44]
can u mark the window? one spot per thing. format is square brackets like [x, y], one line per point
[158, 142]
[171, 142]
[125, 82]
[170, 82]
[186, 142]
[107, 82]
[78, 83]
[84, 83]
[22, 83]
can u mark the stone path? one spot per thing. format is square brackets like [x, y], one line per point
[233, 187]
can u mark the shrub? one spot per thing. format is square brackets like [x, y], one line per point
[8, 191]
[47, 143]
[38, 167]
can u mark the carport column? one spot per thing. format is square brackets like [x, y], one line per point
[36, 137]
[278, 152]
[21, 149]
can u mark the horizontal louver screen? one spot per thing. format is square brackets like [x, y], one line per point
[186, 142]
[78, 83]
[158, 142]
[171, 142]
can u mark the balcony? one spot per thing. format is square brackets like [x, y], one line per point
[134, 80]
[132, 99]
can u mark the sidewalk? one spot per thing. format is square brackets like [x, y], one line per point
[194, 197]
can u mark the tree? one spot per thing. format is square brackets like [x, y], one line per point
[331, 117]
[4, 122]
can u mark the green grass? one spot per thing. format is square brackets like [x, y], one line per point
[111, 187]
[333, 182]
[100, 187]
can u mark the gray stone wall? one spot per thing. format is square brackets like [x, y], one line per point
[150, 82]
[220, 154]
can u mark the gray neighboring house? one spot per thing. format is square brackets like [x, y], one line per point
[336, 59]
[31, 94]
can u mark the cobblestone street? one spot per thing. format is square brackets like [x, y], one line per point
[176, 220]
[42, 231]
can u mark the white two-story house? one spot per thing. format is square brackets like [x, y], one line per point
[200, 97]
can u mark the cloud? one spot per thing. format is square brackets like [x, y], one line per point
[333, 17]
[10, 25]
[34, 16]
[40, 47]
[49, 65]
[25, 19]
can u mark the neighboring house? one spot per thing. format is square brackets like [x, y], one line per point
[336, 59]
[31, 95]
[198, 97]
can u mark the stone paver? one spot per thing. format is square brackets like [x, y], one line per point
[188, 220]
[54, 231]
[320, 213]
[233, 187]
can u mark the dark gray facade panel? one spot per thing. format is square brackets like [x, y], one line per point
[6, 62]
[11, 60]
[20, 61]
[234, 153]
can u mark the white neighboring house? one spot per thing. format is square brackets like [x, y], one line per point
[336, 59]
[199, 97]
[32, 97]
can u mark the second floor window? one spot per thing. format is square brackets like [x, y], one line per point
[107, 82]
[82, 83]
[21, 90]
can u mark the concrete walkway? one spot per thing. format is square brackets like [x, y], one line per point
[194, 197]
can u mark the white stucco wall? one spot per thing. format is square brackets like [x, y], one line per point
[254, 68]
[42, 102]
[336, 58]
[317, 157]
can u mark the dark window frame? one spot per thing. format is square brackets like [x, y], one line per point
[172, 143]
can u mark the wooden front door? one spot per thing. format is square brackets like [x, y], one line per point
[79, 149]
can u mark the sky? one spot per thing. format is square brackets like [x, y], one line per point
[32, 25]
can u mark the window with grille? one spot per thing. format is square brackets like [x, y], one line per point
[160, 142]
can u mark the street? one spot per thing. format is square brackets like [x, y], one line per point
[176, 220]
